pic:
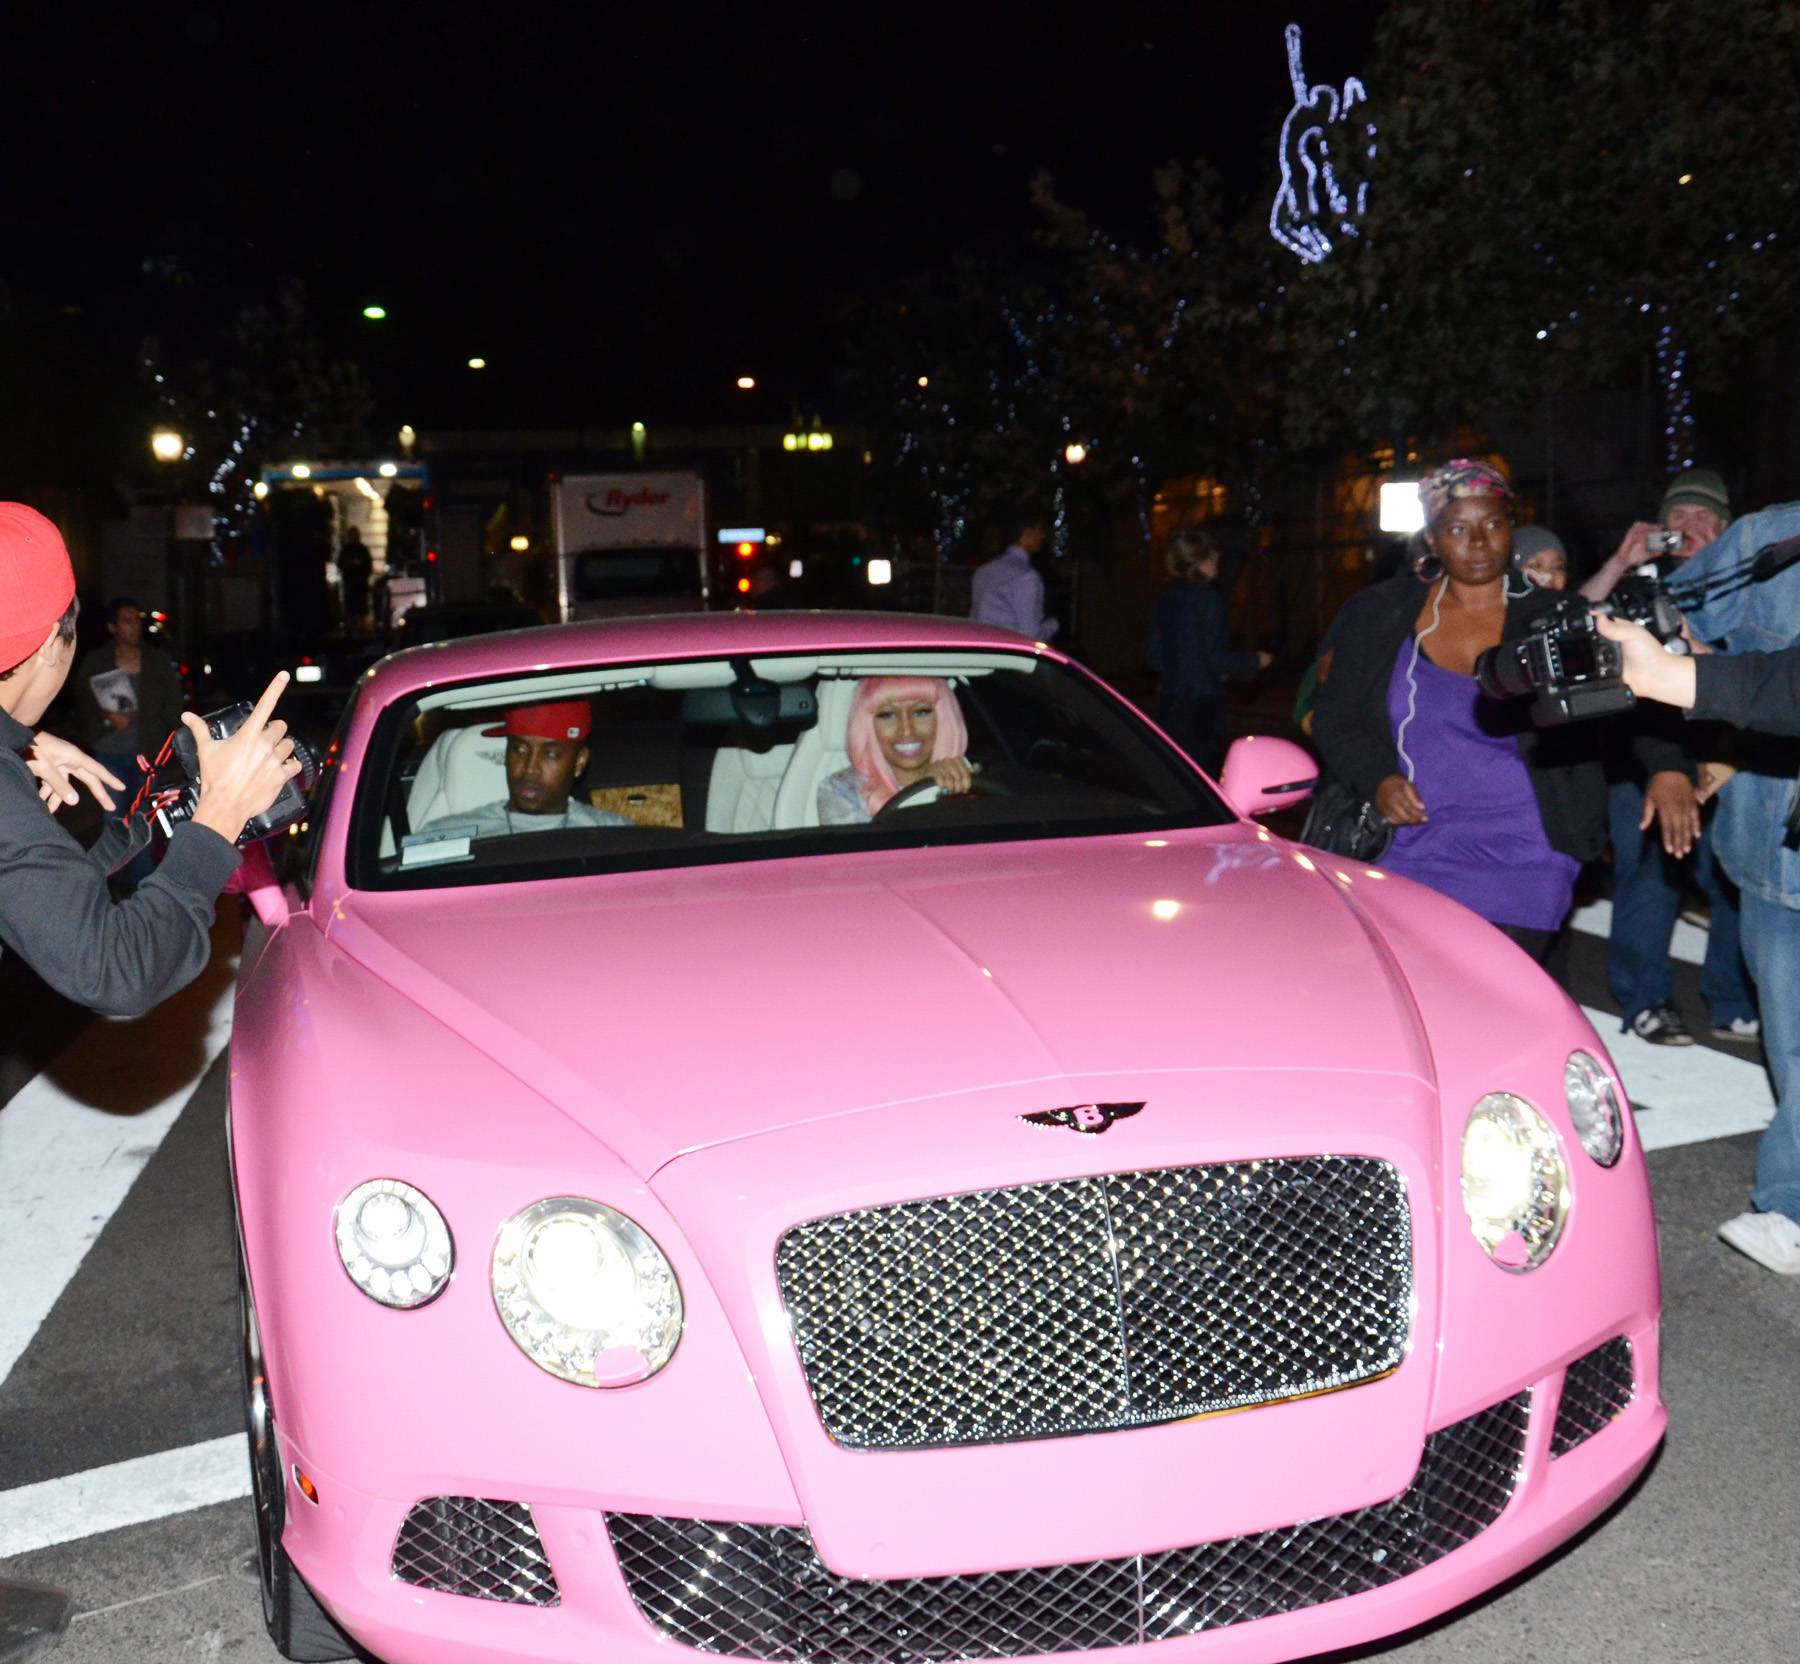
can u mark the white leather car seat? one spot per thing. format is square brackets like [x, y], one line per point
[740, 795]
[463, 770]
[818, 754]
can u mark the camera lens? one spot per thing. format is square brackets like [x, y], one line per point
[1504, 672]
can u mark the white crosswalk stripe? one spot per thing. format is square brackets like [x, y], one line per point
[68, 1157]
[123, 1493]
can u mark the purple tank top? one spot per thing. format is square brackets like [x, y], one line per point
[1484, 842]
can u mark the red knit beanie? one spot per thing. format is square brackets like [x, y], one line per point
[37, 583]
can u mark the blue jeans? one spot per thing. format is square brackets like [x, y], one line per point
[1772, 947]
[1647, 887]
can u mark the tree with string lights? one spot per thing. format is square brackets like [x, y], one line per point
[1563, 196]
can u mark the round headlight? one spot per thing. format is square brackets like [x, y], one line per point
[1514, 1184]
[1594, 1108]
[394, 1243]
[586, 1293]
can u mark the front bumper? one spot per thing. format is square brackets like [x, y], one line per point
[1494, 1493]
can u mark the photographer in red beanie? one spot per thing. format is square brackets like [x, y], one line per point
[55, 909]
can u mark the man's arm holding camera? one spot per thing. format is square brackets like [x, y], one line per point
[55, 910]
[1748, 690]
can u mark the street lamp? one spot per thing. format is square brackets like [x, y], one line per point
[166, 445]
[1074, 454]
[746, 384]
[477, 363]
[374, 313]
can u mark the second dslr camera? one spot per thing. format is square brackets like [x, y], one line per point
[1572, 671]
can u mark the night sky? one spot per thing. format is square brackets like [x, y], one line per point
[621, 214]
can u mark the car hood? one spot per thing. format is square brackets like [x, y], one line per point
[673, 1010]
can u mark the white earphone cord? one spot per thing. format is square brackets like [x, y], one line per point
[1412, 683]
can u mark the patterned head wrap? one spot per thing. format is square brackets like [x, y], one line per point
[1462, 476]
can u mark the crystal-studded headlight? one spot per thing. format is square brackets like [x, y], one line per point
[1594, 1108]
[586, 1293]
[1515, 1185]
[394, 1243]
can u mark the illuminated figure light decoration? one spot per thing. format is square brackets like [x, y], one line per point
[1312, 205]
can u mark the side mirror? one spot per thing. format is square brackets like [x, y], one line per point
[256, 882]
[1264, 773]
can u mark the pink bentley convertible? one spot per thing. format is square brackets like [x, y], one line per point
[826, 1139]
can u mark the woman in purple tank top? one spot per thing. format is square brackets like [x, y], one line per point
[1485, 810]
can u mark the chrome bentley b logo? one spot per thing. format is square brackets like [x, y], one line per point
[1088, 1118]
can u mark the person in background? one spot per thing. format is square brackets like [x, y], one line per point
[1538, 554]
[1696, 506]
[355, 565]
[1190, 651]
[1752, 845]
[1648, 881]
[129, 698]
[1007, 590]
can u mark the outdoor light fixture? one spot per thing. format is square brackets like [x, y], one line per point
[638, 430]
[1401, 510]
[166, 445]
[924, 381]
[477, 363]
[260, 490]
[408, 438]
[520, 543]
[746, 384]
[1074, 455]
[301, 471]
[375, 313]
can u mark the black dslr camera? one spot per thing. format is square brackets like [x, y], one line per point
[173, 789]
[1573, 670]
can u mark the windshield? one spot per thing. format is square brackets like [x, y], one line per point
[693, 762]
[634, 574]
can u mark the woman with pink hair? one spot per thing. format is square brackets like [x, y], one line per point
[903, 729]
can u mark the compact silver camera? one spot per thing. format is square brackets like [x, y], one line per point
[1663, 542]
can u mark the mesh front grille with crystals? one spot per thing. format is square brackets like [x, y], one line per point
[1596, 1388]
[466, 1545]
[1087, 1304]
[760, 1591]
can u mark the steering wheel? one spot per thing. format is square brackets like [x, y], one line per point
[928, 791]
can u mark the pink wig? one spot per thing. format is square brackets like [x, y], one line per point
[878, 781]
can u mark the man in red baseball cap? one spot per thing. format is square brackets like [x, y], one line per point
[546, 752]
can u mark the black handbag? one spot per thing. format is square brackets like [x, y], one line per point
[1341, 823]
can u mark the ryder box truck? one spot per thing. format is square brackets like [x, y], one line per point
[629, 544]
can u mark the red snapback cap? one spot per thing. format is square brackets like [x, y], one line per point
[569, 719]
[37, 583]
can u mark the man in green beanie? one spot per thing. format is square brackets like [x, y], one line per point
[1649, 882]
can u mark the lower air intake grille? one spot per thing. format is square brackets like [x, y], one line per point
[465, 1545]
[760, 1591]
[1596, 1389]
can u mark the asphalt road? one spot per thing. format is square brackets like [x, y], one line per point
[119, 1394]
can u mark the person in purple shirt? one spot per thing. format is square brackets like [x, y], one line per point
[1007, 590]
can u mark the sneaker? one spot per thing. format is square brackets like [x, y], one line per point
[1771, 1239]
[1739, 1028]
[1661, 1025]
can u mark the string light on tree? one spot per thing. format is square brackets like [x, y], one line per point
[1314, 202]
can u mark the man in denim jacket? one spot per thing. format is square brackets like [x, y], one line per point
[1740, 616]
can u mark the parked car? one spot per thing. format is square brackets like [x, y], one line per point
[1056, 1217]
